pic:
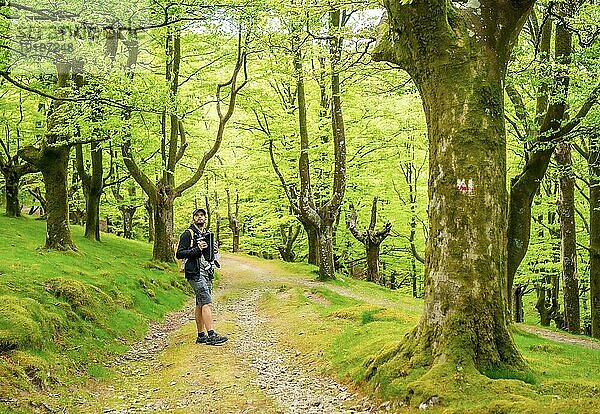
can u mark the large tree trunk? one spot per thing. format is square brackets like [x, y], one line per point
[594, 167]
[53, 166]
[163, 224]
[466, 264]
[326, 263]
[568, 246]
[459, 68]
[53, 163]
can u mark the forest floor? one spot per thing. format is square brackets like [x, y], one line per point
[253, 372]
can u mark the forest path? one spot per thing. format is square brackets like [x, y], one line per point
[252, 373]
[560, 336]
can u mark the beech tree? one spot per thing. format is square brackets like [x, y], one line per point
[163, 193]
[11, 166]
[550, 125]
[457, 55]
[371, 239]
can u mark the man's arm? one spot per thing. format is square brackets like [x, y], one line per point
[184, 251]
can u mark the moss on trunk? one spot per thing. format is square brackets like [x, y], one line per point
[458, 58]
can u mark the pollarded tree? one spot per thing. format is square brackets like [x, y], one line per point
[371, 239]
[457, 55]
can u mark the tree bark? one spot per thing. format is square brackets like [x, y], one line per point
[93, 186]
[53, 163]
[163, 224]
[457, 57]
[594, 168]
[52, 159]
[566, 213]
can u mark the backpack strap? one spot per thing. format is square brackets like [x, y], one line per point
[191, 237]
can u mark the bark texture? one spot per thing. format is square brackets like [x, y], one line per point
[53, 163]
[457, 57]
[52, 159]
[568, 242]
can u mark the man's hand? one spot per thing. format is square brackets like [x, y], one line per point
[202, 244]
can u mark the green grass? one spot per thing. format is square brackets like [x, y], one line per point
[63, 314]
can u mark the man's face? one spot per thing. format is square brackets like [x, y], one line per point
[199, 219]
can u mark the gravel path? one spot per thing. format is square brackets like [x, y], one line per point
[289, 379]
[295, 388]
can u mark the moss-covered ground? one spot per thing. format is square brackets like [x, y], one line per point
[66, 314]
[63, 314]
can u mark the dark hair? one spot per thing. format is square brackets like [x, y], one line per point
[198, 211]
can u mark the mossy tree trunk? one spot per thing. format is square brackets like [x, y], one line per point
[568, 245]
[458, 58]
[53, 162]
[371, 239]
[163, 223]
[52, 159]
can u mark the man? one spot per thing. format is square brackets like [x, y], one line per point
[199, 273]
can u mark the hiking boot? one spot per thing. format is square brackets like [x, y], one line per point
[215, 339]
[201, 339]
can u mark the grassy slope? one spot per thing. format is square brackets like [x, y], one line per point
[346, 334]
[62, 313]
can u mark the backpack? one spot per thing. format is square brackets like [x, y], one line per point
[181, 262]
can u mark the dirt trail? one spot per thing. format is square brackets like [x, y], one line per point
[560, 337]
[252, 373]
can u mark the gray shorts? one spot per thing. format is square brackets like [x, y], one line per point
[202, 287]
